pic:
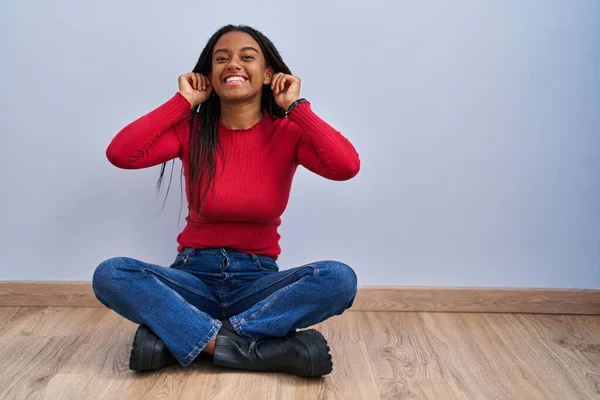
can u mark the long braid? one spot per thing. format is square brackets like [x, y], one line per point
[204, 119]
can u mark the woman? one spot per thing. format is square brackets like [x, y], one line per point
[241, 129]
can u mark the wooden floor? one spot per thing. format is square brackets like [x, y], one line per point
[82, 353]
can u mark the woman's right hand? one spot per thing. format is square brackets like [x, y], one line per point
[195, 87]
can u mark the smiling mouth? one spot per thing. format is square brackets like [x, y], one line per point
[235, 80]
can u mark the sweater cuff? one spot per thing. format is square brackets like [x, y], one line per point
[304, 116]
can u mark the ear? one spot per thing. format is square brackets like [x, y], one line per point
[268, 75]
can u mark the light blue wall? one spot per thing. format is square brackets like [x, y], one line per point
[478, 126]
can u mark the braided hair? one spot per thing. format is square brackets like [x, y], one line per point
[204, 121]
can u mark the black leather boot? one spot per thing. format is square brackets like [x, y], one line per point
[148, 352]
[302, 353]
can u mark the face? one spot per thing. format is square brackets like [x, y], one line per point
[239, 69]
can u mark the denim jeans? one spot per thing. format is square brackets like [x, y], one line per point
[185, 304]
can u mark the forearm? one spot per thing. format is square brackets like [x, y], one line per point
[151, 139]
[321, 148]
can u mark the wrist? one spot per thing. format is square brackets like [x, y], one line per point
[294, 104]
[289, 104]
[189, 100]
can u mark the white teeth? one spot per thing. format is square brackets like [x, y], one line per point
[235, 79]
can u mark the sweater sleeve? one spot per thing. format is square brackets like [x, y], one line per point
[152, 139]
[322, 149]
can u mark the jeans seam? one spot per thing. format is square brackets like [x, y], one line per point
[256, 259]
[238, 327]
[178, 284]
[268, 303]
[216, 326]
[237, 300]
[198, 312]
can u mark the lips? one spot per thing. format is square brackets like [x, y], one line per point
[235, 80]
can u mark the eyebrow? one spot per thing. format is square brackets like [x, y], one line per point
[242, 49]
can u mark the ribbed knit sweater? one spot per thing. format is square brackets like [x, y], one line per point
[252, 187]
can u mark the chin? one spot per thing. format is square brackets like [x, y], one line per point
[232, 96]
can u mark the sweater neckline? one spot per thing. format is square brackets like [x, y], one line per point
[224, 128]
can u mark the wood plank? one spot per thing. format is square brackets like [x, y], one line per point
[572, 352]
[203, 381]
[52, 353]
[99, 368]
[486, 354]
[6, 316]
[30, 361]
[369, 298]
[497, 300]
[497, 356]
[47, 294]
[404, 358]
[352, 376]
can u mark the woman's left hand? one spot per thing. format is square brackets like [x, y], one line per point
[286, 89]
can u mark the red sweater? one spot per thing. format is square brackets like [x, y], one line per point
[251, 193]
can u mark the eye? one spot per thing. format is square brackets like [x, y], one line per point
[220, 59]
[247, 58]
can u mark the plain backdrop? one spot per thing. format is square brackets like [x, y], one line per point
[477, 124]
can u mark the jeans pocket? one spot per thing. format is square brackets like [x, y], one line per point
[182, 258]
[178, 263]
[265, 263]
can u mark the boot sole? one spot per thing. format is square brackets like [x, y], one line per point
[142, 350]
[318, 348]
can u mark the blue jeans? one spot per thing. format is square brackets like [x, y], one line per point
[185, 303]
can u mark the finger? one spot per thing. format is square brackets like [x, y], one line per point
[202, 82]
[186, 80]
[293, 81]
[276, 77]
[195, 81]
[282, 83]
[276, 83]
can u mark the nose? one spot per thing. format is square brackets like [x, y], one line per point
[233, 64]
